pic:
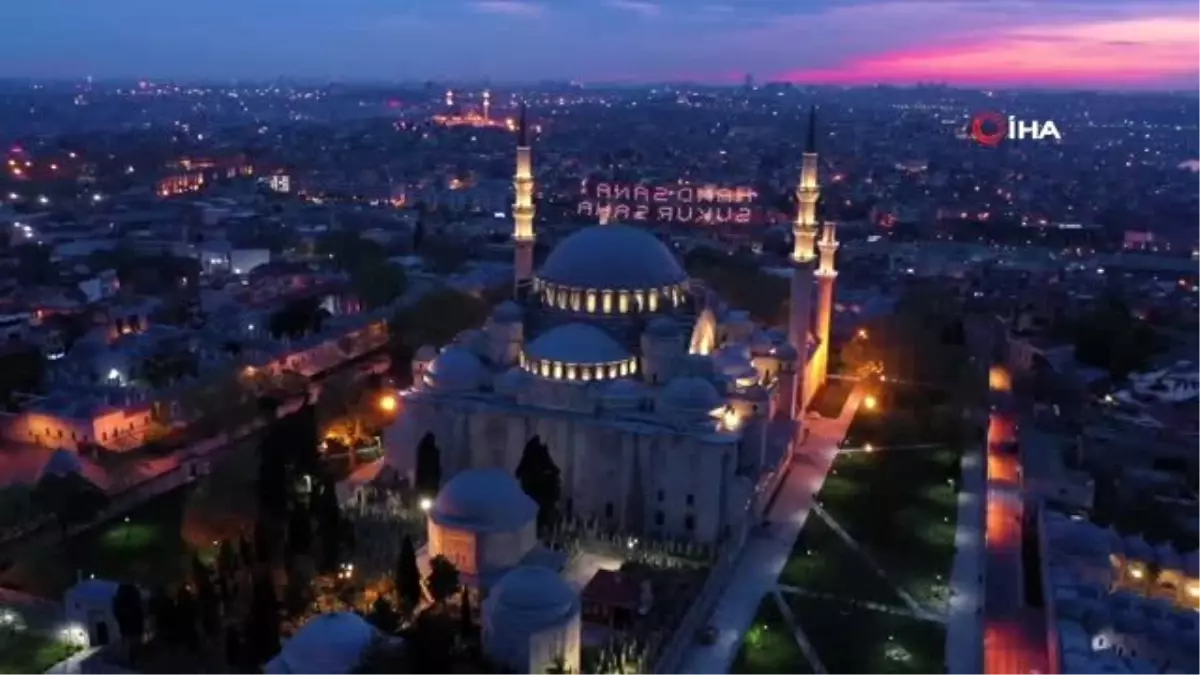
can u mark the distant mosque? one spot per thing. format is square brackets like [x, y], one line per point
[663, 408]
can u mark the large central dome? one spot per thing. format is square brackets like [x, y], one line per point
[612, 257]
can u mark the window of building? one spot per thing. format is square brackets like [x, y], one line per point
[60, 433]
[691, 500]
[659, 518]
[689, 523]
[608, 510]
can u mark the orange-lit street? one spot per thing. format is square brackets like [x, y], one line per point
[1014, 636]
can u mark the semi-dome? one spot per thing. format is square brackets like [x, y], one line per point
[734, 361]
[531, 597]
[576, 343]
[456, 368]
[612, 257]
[512, 381]
[691, 394]
[329, 643]
[507, 312]
[483, 500]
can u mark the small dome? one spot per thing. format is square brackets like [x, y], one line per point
[616, 257]
[507, 312]
[786, 352]
[329, 643]
[662, 327]
[512, 381]
[691, 394]
[577, 343]
[621, 393]
[532, 597]
[456, 368]
[734, 361]
[425, 353]
[483, 500]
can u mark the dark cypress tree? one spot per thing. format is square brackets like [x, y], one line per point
[262, 624]
[188, 614]
[407, 578]
[541, 479]
[227, 560]
[466, 621]
[163, 618]
[383, 616]
[246, 551]
[130, 614]
[299, 535]
[428, 474]
[235, 655]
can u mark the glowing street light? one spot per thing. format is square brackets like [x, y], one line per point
[387, 403]
[869, 448]
[862, 334]
[870, 402]
[426, 503]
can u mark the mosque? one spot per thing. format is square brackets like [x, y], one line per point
[662, 407]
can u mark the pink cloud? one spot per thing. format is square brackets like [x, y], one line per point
[636, 6]
[1126, 52]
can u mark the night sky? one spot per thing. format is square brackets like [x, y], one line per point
[1126, 44]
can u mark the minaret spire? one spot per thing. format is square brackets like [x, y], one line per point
[804, 232]
[810, 146]
[523, 235]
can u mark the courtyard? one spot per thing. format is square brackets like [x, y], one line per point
[850, 639]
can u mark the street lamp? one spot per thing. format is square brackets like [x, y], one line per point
[387, 403]
[862, 334]
[870, 402]
[426, 503]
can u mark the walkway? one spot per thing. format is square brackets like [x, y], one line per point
[801, 639]
[964, 629]
[768, 549]
[862, 604]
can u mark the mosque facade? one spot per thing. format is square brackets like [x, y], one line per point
[662, 407]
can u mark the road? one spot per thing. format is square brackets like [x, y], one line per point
[767, 551]
[1014, 635]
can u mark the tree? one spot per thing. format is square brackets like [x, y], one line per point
[262, 624]
[130, 615]
[541, 479]
[428, 475]
[299, 532]
[383, 616]
[209, 604]
[227, 561]
[235, 654]
[442, 581]
[69, 496]
[162, 616]
[187, 612]
[246, 550]
[466, 621]
[407, 578]
[377, 282]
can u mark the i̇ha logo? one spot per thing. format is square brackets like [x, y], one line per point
[990, 128]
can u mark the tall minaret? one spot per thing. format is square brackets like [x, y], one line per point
[523, 236]
[826, 274]
[487, 104]
[804, 231]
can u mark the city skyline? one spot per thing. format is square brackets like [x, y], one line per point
[1101, 44]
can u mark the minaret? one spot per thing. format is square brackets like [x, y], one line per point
[826, 274]
[523, 236]
[804, 231]
[487, 104]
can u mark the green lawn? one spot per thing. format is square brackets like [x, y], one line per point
[900, 507]
[823, 563]
[848, 639]
[769, 646]
[30, 652]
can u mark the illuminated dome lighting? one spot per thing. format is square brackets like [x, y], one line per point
[611, 269]
[577, 351]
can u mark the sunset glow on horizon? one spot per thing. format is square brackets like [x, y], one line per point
[1136, 53]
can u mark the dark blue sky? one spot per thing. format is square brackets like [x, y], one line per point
[1105, 43]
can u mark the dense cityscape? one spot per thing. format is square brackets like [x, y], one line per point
[463, 376]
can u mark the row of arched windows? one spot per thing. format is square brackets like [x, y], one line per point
[592, 301]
